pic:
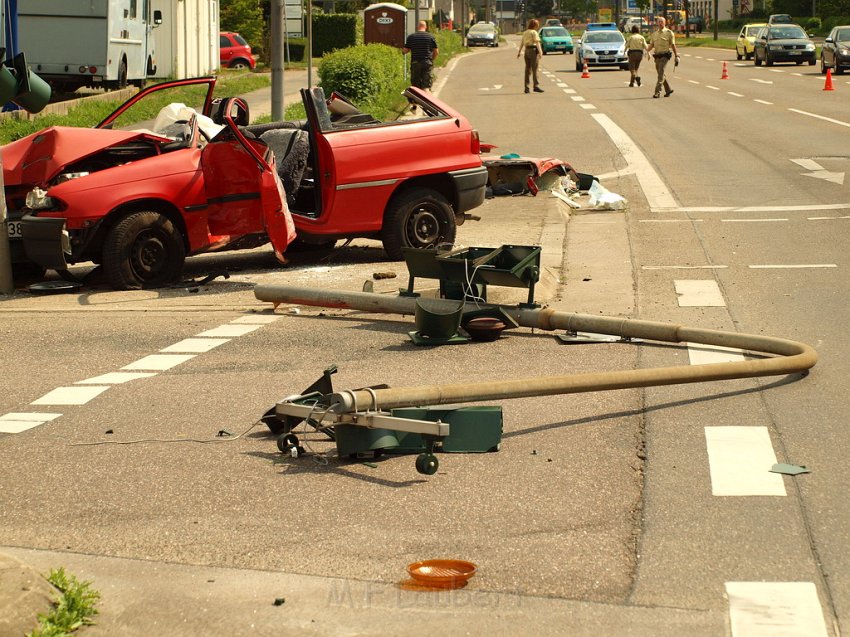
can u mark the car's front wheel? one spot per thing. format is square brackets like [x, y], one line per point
[143, 250]
[738, 54]
[756, 59]
[417, 218]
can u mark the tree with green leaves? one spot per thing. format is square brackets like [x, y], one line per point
[539, 8]
[245, 17]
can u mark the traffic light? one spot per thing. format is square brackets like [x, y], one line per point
[20, 85]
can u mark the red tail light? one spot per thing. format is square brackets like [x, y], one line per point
[475, 146]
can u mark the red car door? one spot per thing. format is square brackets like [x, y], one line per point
[244, 193]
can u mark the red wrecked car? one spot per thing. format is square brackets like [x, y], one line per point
[202, 179]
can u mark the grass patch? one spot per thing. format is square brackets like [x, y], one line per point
[89, 113]
[73, 610]
[721, 43]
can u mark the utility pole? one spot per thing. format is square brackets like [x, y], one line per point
[278, 59]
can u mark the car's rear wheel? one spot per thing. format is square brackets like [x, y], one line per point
[143, 250]
[239, 64]
[417, 218]
[822, 66]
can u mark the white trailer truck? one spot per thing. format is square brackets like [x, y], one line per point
[74, 43]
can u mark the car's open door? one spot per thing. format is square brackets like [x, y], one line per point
[244, 193]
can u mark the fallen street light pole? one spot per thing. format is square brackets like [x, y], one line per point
[790, 357]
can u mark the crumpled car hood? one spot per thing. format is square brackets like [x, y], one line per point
[38, 158]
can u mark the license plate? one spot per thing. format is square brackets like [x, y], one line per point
[795, 52]
[606, 59]
[14, 229]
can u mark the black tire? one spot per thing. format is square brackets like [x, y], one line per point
[738, 54]
[748, 56]
[757, 59]
[143, 250]
[239, 64]
[417, 218]
[578, 66]
[811, 62]
[822, 66]
[121, 82]
[767, 60]
[839, 70]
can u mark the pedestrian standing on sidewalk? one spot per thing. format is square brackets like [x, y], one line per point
[530, 46]
[636, 46]
[662, 45]
[423, 50]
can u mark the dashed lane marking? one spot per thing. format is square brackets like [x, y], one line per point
[683, 267]
[159, 362]
[699, 293]
[764, 102]
[16, 422]
[799, 266]
[230, 330]
[700, 354]
[78, 395]
[749, 220]
[734, 94]
[195, 345]
[739, 461]
[115, 378]
[588, 107]
[775, 609]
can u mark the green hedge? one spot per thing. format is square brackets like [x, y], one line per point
[362, 73]
[333, 31]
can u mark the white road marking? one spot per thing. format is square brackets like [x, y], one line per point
[792, 267]
[588, 107]
[78, 395]
[734, 94]
[754, 79]
[699, 354]
[807, 164]
[569, 91]
[713, 88]
[826, 119]
[256, 319]
[739, 461]
[693, 81]
[577, 98]
[764, 102]
[775, 609]
[195, 345]
[654, 189]
[684, 267]
[749, 220]
[699, 293]
[822, 218]
[776, 71]
[561, 85]
[159, 362]
[230, 330]
[115, 378]
[667, 220]
[16, 422]
[800, 208]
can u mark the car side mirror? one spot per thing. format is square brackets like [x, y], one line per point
[830, 40]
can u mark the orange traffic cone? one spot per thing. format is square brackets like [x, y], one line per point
[828, 84]
[585, 73]
[725, 74]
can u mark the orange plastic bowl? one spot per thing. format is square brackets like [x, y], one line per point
[442, 573]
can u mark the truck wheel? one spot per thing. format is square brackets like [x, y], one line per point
[144, 250]
[122, 74]
[417, 218]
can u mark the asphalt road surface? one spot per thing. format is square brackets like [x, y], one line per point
[644, 512]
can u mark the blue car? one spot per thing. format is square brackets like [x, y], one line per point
[556, 39]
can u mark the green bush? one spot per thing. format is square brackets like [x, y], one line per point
[813, 24]
[333, 31]
[295, 49]
[362, 73]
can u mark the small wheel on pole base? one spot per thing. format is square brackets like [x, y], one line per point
[427, 464]
[288, 444]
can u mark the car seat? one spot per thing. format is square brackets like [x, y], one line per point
[291, 148]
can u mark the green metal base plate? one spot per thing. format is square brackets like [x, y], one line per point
[420, 339]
